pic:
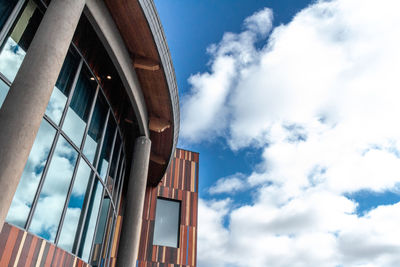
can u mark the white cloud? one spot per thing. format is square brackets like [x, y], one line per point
[204, 110]
[213, 238]
[230, 184]
[317, 229]
[320, 99]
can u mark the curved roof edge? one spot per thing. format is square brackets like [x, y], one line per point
[157, 30]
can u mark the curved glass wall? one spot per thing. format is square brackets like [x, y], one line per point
[70, 188]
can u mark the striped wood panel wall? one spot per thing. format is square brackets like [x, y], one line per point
[179, 183]
[20, 248]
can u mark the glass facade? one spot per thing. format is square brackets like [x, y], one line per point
[17, 43]
[69, 192]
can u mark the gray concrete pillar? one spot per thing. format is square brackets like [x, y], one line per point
[26, 102]
[132, 220]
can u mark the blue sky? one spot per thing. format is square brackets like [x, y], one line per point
[191, 26]
[293, 107]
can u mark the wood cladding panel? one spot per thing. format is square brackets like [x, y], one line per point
[179, 183]
[20, 248]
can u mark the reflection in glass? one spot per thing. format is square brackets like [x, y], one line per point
[106, 149]
[6, 7]
[119, 175]
[108, 240]
[52, 197]
[21, 37]
[95, 128]
[167, 223]
[61, 91]
[114, 162]
[22, 202]
[101, 227]
[79, 191]
[93, 211]
[3, 92]
[79, 108]
[113, 167]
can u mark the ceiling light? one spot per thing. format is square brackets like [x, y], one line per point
[108, 77]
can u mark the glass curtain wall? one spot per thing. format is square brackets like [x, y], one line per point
[69, 192]
[17, 41]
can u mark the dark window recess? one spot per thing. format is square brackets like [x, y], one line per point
[6, 7]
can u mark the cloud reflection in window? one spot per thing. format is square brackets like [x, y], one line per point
[51, 201]
[28, 184]
[75, 205]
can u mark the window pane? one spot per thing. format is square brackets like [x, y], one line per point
[21, 37]
[79, 192]
[96, 128]
[116, 152]
[93, 211]
[101, 227]
[113, 167]
[52, 198]
[110, 237]
[61, 91]
[167, 223]
[119, 176]
[79, 108]
[22, 202]
[3, 92]
[106, 149]
[6, 7]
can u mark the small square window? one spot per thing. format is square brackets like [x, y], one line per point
[166, 229]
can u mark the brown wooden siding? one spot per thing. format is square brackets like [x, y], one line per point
[20, 248]
[179, 183]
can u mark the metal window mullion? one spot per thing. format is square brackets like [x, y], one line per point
[104, 184]
[5, 80]
[109, 166]
[97, 222]
[111, 239]
[95, 176]
[43, 3]
[70, 142]
[119, 192]
[121, 184]
[103, 239]
[90, 117]
[112, 204]
[116, 167]
[116, 210]
[112, 151]
[103, 135]
[42, 179]
[115, 190]
[95, 76]
[88, 163]
[64, 211]
[71, 93]
[81, 224]
[119, 174]
[58, 128]
[10, 21]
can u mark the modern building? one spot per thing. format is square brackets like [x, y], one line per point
[89, 120]
[173, 202]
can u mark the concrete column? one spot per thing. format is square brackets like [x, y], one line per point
[26, 102]
[132, 221]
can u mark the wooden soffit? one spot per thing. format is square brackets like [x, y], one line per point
[141, 30]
